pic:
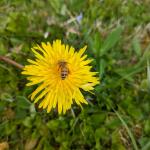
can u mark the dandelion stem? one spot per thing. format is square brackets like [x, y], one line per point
[10, 61]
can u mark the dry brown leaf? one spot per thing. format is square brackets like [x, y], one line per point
[30, 144]
[4, 146]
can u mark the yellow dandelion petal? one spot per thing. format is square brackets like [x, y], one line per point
[51, 100]
[43, 93]
[47, 100]
[39, 89]
[82, 50]
[35, 80]
[39, 56]
[60, 73]
[42, 49]
[55, 101]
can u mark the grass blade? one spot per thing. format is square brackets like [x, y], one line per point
[148, 74]
[111, 40]
[128, 130]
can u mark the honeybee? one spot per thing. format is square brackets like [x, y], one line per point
[64, 71]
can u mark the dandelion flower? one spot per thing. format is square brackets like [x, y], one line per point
[60, 74]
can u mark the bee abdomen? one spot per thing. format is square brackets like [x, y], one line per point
[64, 73]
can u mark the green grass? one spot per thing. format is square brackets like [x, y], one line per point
[117, 35]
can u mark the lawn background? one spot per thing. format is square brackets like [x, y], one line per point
[117, 33]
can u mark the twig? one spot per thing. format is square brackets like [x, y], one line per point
[10, 61]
